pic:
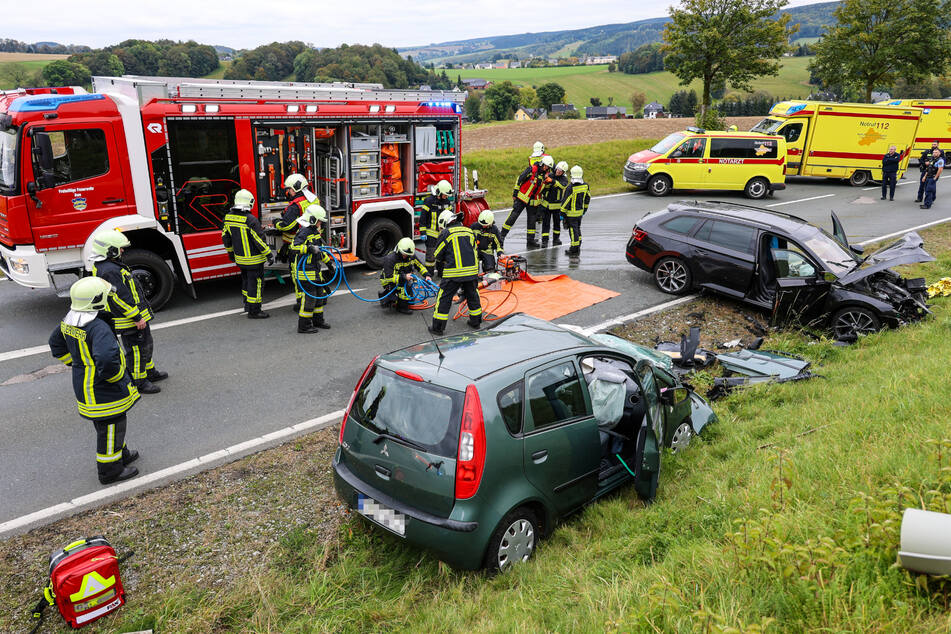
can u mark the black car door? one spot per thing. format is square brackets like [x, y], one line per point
[723, 257]
[801, 289]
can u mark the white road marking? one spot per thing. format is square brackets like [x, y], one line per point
[801, 200]
[899, 184]
[590, 330]
[157, 478]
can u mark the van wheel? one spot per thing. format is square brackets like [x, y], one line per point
[513, 541]
[659, 185]
[378, 238]
[859, 178]
[153, 275]
[671, 275]
[757, 188]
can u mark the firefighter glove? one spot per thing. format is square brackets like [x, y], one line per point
[270, 258]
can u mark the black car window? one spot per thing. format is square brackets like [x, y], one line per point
[743, 148]
[792, 262]
[510, 406]
[681, 224]
[792, 132]
[555, 395]
[727, 234]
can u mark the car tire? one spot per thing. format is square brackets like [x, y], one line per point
[659, 185]
[672, 275]
[514, 540]
[757, 188]
[859, 178]
[851, 322]
[681, 437]
[378, 238]
[153, 275]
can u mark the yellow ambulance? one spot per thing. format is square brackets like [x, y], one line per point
[935, 122]
[841, 140]
[698, 159]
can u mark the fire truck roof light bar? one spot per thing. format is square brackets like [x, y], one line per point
[37, 103]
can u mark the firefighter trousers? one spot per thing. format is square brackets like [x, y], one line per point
[431, 242]
[551, 220]
[573, 223]
[489, 265]
[517, 208]
[313, 302]
[252, 277]
[447, 290]
[138, 351]
[111, 451]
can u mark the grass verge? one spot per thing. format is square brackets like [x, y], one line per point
[603, 165]
[784, 516]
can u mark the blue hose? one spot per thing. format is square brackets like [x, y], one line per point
[340, 275]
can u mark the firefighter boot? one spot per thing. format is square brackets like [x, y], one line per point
[320, 323]
[305, 325]
[438, 328]
[402, 306]
[146, 387]
[475, 322]
[155, 376]
[125, 474]
[544, 243]
[531, 243]
[556, 240]
[129, 456]
[259, 314]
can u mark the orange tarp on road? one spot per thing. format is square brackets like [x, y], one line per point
[545, 297]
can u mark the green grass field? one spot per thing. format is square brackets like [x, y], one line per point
[583, 82]
[219, 73]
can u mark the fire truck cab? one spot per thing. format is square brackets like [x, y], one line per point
[161, 158]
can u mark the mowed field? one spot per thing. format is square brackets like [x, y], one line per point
[583, 82]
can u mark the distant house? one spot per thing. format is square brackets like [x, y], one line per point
[561, 108]
[530, 114]
[601, 59]
[653, 110]
[475, 83]
[515, 64]
[605, 112]
[552, 61]
[502, 64]
[484, 66]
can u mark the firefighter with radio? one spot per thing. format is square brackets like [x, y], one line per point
[101, 383]
[432, 207]
[577, 199]
[314, 269]
[458, 265]
[554, 197]
[397, 275]
[530, 186]
[300, 197]
[244, 241]
[128, 307]
[488, 241]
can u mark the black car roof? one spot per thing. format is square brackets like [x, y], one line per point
[764, 218]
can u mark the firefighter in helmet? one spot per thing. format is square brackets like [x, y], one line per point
[577, 199]
[300, 197]
[397, 275]
[432, 207]
[528, 194]
[551, 211]
[129, 308]
[104, 392]
[488, 240]
[458, 265]
[314, 270]
[244, 241]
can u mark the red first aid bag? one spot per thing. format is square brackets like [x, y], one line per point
[84, 582]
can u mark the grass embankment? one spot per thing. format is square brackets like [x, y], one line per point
[603, 165]
[583, 82]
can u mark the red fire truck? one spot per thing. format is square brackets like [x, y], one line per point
[161, 158]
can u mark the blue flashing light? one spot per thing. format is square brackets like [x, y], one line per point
[897, 102]
[796, 108]
[42, 103]
[441, 104]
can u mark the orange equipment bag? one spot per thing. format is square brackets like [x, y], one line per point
[84, 582]
[392, 170]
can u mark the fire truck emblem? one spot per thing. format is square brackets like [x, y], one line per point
[154, 127]
[79, 203]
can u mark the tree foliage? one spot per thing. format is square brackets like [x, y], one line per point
[501, 101]
[550, 93]
[645, 59]
[165, 58]
[528, 97]
[62, 72]
[638, 101]
[269, 62]
[683, 103]
[473, 107]
[878, 42]
[374, 64]
[720, 41]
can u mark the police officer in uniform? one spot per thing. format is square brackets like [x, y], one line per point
[924, 161]
[488, 241]
[456, 262]
[577, 199]
[315, 267]
[101, 382]
[244, 241]
[554, 197]
[432, 206]
[397, 275]
[129, 309]
[295, 189]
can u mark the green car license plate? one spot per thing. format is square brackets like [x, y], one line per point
[383, 515]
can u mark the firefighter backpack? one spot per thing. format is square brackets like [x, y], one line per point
[84, 582]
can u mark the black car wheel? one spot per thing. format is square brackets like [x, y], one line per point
[153, 275]
[757, 188]
[513, 541]
[659, 185]
[671, 275]
[859, 178]
[852, 322]
[377, 239]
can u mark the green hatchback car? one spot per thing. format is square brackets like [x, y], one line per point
[475, 445]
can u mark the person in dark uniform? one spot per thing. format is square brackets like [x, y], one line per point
[890, 163]
[930, 178]
[244, 241]
[577, 199]
[101, 383]
[129, 308]
[432, 206]
[397, 275]
[488, 241]
[554, 197]
[530, 187]
[295, 190]
[314, 268]
[458, 266]
[923, 162]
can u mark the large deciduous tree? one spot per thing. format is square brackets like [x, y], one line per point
[550, 93]
[719, 41]
[878, 42]
[501, 101]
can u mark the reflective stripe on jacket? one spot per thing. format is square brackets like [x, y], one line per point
[395, 268]
[488, 239]
[429, 215]
[310, 269]
[242, 236]
[128, 303]
[577, 199]
[456, 253]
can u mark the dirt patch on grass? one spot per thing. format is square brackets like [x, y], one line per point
[558, 132]
[29, 57]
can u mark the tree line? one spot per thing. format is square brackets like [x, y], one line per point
[9, 45]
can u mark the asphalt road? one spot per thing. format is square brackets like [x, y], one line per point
[233, 379]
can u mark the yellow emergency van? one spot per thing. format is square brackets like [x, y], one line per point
[935, 122]
[841, 140]
[700, 159]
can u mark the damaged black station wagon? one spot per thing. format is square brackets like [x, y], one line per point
[784, 264]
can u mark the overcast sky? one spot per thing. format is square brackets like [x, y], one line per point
[246, 23]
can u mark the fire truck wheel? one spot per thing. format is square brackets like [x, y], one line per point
[378, 238]
[152, 274]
